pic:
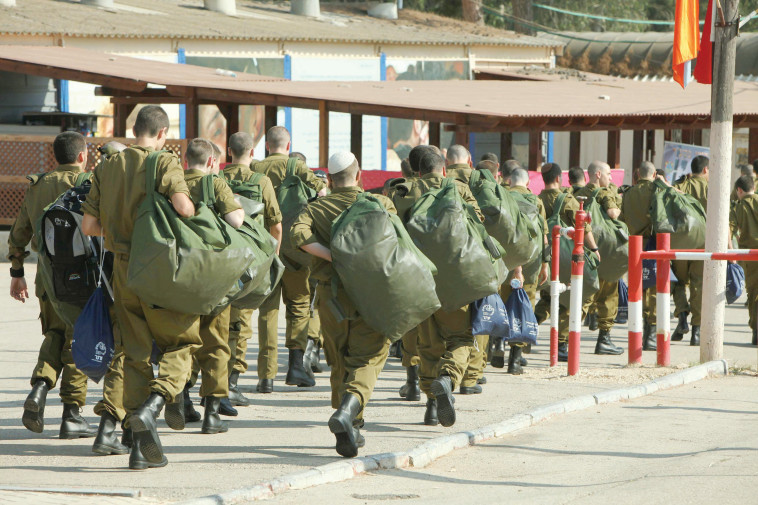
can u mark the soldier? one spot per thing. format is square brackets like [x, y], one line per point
[551, 176]
[577, 179]
[743, 223]
[294, 288]
[458, 163]
[505, 172]
[355, 351]
[312, 357]
[519, 181]
[213, 356]
[445, 338]
[491, 157]
[118, 188]
[241, 149]
[635, 213]
[605, 302]
[691, 272]
[55, 359]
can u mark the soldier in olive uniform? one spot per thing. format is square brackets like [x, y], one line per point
[635, 213]
[294, 288]
[355, 351]
[691, 272]
[743, 223]
[118, 188]
[55, 359]
[241, 145]
[577, 180]
[605, 302]
[213, 356]
[458, 161]
[551, 176]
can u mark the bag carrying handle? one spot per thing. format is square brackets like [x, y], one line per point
[291, 166]
[209, 192]
[559, 204]
[151, 167]
[82, 177]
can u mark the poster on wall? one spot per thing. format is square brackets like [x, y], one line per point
[677, 158]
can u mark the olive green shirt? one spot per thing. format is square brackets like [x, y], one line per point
[635, 208]
[696, 186]
[743, 222]
[605, 198]
[570, 207]
[225, 202]
[272, 215]
[429, 182]
[118, 189]
[275, 168]
[314, 224]
[460, 171]
[543, 215]
[41, 192]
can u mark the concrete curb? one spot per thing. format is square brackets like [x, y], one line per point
[431, 450]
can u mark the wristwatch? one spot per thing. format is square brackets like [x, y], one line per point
[17, 272]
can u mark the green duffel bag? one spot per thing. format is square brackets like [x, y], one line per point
[183, 264]
[612, 239]
[678, 214]
[504, 221]
[390, 282]
[591, 282]
[293, 195]
[249, 195]
[447, 230]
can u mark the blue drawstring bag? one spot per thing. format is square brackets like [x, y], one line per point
[488, 317]
[524, 326]
[650, 268]
[735, 282]
[623, 313]
[92, 346]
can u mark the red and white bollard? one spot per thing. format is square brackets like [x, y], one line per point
[663, 300]
[577, 281]
[556, 288]
[636, 322]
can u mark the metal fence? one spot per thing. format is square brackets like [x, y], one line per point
[24, 155]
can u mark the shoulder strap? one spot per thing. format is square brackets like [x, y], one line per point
[291, 166]
[255, 178]
[209, 192]
[35, 178]
[559, 204]
[151, 167]
[84, 176]
[485, 174]
[595, 192]
[447, 182]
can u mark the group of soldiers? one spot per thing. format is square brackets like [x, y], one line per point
[441, 355]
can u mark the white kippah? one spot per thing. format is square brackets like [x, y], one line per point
[340, 161]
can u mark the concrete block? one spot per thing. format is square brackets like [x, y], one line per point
[579, 403]
[481, 435]
[614, 395]
[336, 472]
[302, 480]
[363, 464]
[278, 485]
[670, 381]
[390, 460]
[636, 391]
[513, 424]
[546, 411]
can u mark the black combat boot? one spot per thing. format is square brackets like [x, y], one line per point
[649, 339]
[755, 337]
[681, 328]
[137, 460]
[498, 354]
[107, 442]
[235, 396]
[360, 441]
[74, 425]
[174, 413]
[514, 361]
[265, 386]
[471, 390]
[212, 423]
[143, 423]
[563, 352]
[430, 416]
[312, 356]
[316, 359]
[297, 375]
[34, 407]
[592, 326]
[410, 390]
[341, 424]
[126, 436]
[442, 389]
[695, 337]
[481, 380]
[190, 414]
[606, 346]
[395, 350]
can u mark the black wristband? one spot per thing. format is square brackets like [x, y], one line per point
[593, 250]
[17, 272]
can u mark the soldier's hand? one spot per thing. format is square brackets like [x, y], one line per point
[543, 274]
[322, 193]
[19, 290]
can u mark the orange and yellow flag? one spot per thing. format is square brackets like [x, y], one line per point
[686, 38]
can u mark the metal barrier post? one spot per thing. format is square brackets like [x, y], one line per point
[577, 279]
[635, 299]
[663, 301]
[555, 291]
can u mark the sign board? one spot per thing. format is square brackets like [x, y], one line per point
[536, 185]
[677, 158]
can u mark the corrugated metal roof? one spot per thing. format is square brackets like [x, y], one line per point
[186, 19]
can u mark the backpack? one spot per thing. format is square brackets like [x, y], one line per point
[404, 196]
[68, 258]
[530, 214]
[249, 195]
[370, 247]
[503, 220]
[449, 233]
[293, 195]
[678, 214]
[183, 264]
[612, 238]
[591, 282]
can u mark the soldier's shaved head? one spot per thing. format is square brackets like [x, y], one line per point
[596, 167]
[646, 171]
[519, 177]
[431, 163]
[277, 139]
[240, 144]
[418, 152]
[151, 119]
[198, 152]
[67, 146]
[458, 154]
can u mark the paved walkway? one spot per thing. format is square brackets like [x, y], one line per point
[285, 431]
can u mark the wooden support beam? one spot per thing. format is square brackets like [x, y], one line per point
[697, 137]
[434, 134]
[356, 137]
[269, 119]
[614, 148]
[461, 136]
[575, 149]
[638, 148]
[191, 120]
[506, 147]
[686, 136]
[323, 134]
[535, 150]
[231, 112]
[650, 145]
[120, 113]
[752, 145]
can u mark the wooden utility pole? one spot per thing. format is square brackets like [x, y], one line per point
[472, 11]
[716, 234]
[522, 9]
